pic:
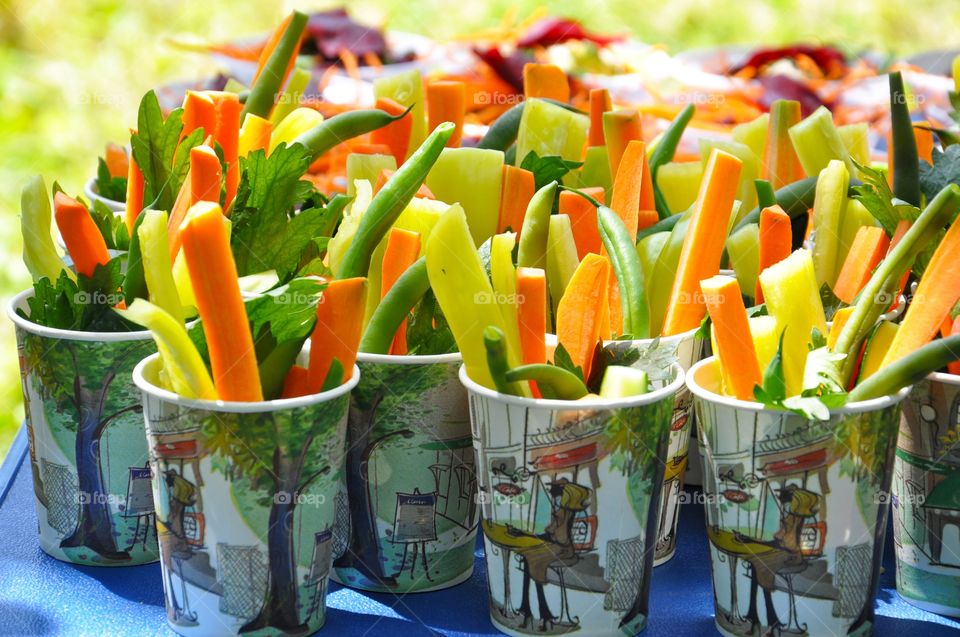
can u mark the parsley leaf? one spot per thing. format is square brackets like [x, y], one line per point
[945, 170]
[875, 195]
[289, 312]
[85, 305]
[427, 329]
[108, 186]
[113, 227]
[547, 169]
[562, 359]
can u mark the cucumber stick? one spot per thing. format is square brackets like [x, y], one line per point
[818, 142]
[829, 207]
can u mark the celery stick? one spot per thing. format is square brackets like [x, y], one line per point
[548, 130]
[291, 96]
[562, 259]
[503, 276]
[766, 338]
[157, 269]
[750, 170]
[296, 122]
[792, 296]
[596, 171]
[471, 177]
[854, 217]
[817, 142]
[40, 254]
[347, 229]
[753, 134]
[680, 183]
[829, 207]
[363, 166]
[623, 382]
[406, 88]
[744, 252]
[857, 141]
[649, 249]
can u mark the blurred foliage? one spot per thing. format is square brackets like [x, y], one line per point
[72, 71]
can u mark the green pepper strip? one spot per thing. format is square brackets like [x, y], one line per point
[135, 282]
[906, 161]
[664, 152]
[273, 370]
[503, 132]
[339, 128]
[263, 94]
[495, 342]
[395, 306]
[626, 266]
[909, 369]
[766, 197]
[552, 381]
[390, 201]
[334, 375]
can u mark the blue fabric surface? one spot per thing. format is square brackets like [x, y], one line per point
[41, 596]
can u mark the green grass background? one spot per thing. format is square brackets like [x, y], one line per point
[72, 72]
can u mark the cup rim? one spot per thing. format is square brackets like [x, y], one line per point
[20, 302]
[234, 406]
[90, 190]
[594, 403]
[861, 406]
[664, 340]
[944, 377]
[405, 359]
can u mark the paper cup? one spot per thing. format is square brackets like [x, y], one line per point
[246, 504]
[88, 454]
[569, 495]
[796, 511]
[926, 503]
[682, 459]
[91, 193]
[409, 477]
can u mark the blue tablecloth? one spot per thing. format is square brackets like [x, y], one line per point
[42, 596]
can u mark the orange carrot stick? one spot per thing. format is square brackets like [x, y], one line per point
[736, 350]
[619, 129]
[703, 243]
[227, 107]
[205, 175]
[633, 189]
[583, 219]
[116, 160]
[515, 196]
[447, 102]
[213, 275]
[179, 212]
[599, 104]
[134, 202]
[545, 80]
[898, 233]
[840, 318]
[296, 383]
[615, 311]
[936, 295]
[199, 111]
[869, 246]
[924, 139]
[80, 234]
[532, 317]
[423, 192]
[776, 239]
[403, 248]
[395, 135]
[581, 309]
[338, 329]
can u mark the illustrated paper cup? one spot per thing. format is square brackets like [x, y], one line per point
[245, 495]
[569, 494]
[687, 350]
[88, 453]
[409, 479]
[796, 510]
[926, 489]
[92, 194]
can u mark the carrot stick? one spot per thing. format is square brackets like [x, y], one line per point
[936, 295]
[545, 80]
[735, 347]
[213, 275]
[384, 176]
[179, 212]
[532, 317]
[868, 248]
[227, 107]
[270, 45]
[583, 219]
[447, 102]
[776, 238]
[205, 175]
[633, 189]
[581, 310]
[954, 367]
[599, 104]
[395, 135]
[515, 196]
[115, 157]
[134, 202]
[619, 129]
[80, 234]
[840, 318]
[403, 248]
[296, 383]
[199, 111]
[924, 139]
[254, 135]
[338, 329]
[616, 309]
[703, 243]
[898, 233]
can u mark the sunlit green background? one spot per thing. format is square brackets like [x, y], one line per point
[72, 71]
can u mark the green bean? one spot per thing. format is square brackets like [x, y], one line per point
[135, 282]
[395, 306]
[664, 152]
[495, 342]
[552, 381]
[909, 369]
[626, 265]
[339, 128]
[766, 197]
[263, 93]
[664, 225]
[904, 159]
[532, 252]
[390, 201]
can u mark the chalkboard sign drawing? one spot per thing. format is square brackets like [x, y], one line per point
[319, 570]
[415, 524]
[139, 504]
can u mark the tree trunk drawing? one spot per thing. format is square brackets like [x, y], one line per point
[280, 610]
[362, 553]
[94, 528]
